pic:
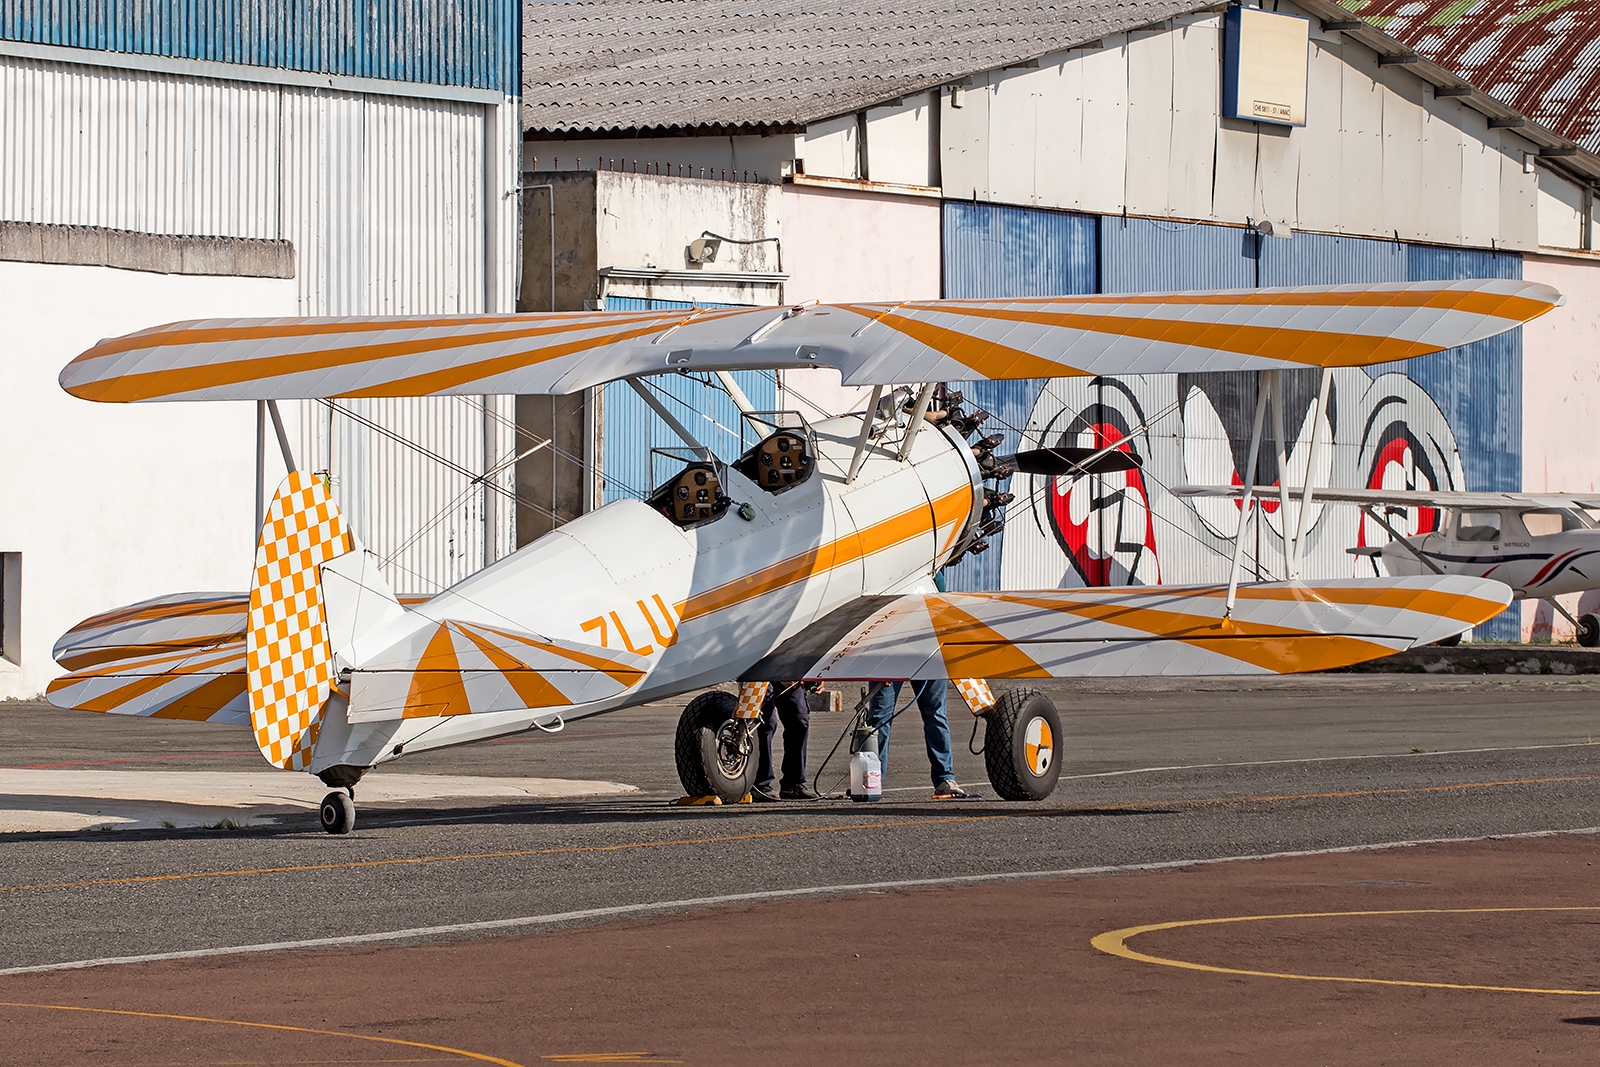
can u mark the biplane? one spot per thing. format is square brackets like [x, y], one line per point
[1542, 545]
[811, 555]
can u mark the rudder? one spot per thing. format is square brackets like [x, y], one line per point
[289, 662]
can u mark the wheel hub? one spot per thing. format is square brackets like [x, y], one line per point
[1039, 746]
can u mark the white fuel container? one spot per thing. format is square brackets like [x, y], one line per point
[866, 777]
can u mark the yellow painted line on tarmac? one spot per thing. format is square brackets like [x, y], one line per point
[1115, 943]
[567, 850]
[463, 1053]
[896, 824]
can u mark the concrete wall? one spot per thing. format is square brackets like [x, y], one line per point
[1561, 397]
[112, 503]
[853, 246]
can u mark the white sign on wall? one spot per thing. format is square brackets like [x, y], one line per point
[1264, 66]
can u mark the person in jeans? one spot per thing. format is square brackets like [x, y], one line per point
[786, 702]
[930, 696]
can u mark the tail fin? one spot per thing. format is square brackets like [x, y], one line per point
[289, 661]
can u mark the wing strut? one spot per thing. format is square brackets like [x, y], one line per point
[915, 424]
[1262, 393]
[666, 416]
[1404, 541]
[868, 417]
[1299, 544]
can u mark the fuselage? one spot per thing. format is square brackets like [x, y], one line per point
[700, 603]
[1501, 544]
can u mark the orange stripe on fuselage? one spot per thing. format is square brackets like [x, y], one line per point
[880, 535]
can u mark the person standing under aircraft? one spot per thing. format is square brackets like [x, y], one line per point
[930, 698]
[785, 702]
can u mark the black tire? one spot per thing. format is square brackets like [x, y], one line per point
[1450, 642]
[710, 762]
[338, 813]
[1023, 767]
[1589, 630]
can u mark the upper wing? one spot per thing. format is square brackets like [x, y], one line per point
[884, 343]
[1406, 498]
[1281, 627]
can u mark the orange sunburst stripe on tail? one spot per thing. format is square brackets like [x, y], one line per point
[531, 687]
[436, 685]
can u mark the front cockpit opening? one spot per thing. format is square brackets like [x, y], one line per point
[785, 454]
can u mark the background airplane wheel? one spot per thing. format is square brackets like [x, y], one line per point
[1450, 642]
[1020, 745]
[710, 761]
[338, 813]
[1589, 630]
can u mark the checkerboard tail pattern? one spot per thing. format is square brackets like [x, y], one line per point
[289, 664]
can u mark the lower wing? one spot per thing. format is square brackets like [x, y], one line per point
[1275, 628]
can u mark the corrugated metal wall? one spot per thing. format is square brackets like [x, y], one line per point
[630, 429]
[1008, 251]
[476, 43]
[384, 199]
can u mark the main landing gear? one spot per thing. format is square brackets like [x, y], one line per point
[1019, 745]
[715, 750]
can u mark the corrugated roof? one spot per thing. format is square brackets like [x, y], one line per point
[651, 64]
[1539, 57]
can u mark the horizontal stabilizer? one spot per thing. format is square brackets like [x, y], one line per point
[461, 668]
[868, 343]
[200, 686]
[170, 623]
[1275, 628]
[1072, 462]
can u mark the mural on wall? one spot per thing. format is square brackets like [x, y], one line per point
[1448, 421]
[1194, 429]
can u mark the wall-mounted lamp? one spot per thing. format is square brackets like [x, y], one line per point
[704, 249]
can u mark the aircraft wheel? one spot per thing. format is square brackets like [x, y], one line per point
[1450, 642]
[1589, 630]
[338, 812]
[1021, 745]
[715, 752]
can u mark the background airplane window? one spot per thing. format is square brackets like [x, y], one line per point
[1547, 521]
[1478, 526]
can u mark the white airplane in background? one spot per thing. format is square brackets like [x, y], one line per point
[1542, 545]
[810, 556]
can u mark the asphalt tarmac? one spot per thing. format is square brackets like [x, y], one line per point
[1160, 780]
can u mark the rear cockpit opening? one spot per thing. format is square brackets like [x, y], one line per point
[784, 456]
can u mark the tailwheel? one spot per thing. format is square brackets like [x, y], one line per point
[338, 812]
[1021, 744]
[715, 752]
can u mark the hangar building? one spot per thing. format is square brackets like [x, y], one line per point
[172, 161]
[874, 151]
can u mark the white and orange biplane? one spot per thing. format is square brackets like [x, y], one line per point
[810, 556]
